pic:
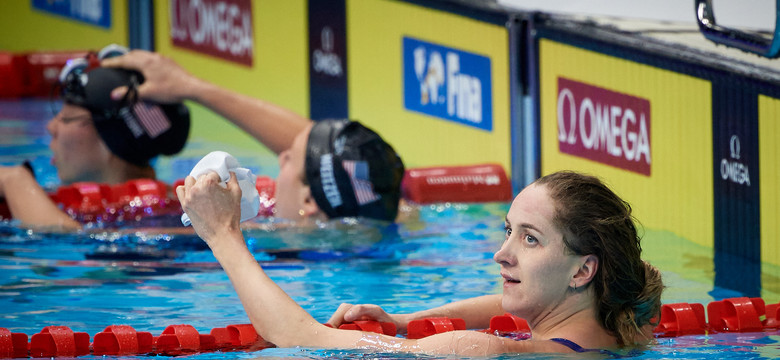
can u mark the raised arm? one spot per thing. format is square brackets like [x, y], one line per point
[29, 203]
[167, 82]
[276, 317]
[476, 312]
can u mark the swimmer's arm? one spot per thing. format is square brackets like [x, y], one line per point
[167, 82]
[278, 319]
[29, 203]
[476, 312]
[273, 125]
[215, 213]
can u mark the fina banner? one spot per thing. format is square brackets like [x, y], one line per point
[447, 83]
[94, 12]
[221, 28]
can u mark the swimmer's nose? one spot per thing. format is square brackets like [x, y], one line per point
[502, 255]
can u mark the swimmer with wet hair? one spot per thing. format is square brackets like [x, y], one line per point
[96, 138]
[328, 169]
[571, 266]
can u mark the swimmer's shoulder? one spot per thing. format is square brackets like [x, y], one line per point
[475, 343]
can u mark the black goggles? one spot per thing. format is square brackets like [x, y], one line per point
[73, 77]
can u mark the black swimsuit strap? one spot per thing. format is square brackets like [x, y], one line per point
[577, 348]
[571, 345]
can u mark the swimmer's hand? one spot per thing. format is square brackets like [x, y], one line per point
[165, 81]
[214, 210]
[349, 313]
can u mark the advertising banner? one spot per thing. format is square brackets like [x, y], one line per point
[328, 59]
[94, 12]
[447, 83]
[737, 188]
[221, 28]
[436, 84]
[621, 121]
[604, 126]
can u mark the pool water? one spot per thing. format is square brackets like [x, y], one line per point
[438, 254]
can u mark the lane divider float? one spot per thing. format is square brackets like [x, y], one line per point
[741, 314]
[139, 198]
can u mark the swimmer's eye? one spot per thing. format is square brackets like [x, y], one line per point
[68, 120]
[507, 231]
[531, 239]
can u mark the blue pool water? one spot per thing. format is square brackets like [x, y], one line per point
[438, 254]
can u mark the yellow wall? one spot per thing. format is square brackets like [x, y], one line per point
[678, 196]
[279, 73]
[374, 37]
[26, 29]
[769, 177]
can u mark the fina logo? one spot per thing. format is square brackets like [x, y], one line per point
[447, 83]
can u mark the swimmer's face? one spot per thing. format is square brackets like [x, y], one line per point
[293, 196]
[78, 152]
[536, 267]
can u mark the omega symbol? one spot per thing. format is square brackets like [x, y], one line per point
[326, 37]
[734, 146]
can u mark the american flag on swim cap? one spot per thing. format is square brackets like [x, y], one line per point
[152, 118]
[358, 175]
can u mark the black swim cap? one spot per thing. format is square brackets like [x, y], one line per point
[352, 171]
[134, 130]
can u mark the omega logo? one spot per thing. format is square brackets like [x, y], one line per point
[734, 170]
[325, 60]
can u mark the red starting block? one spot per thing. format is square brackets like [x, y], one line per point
[736, 314]
[12, 345]
[681, 319]
[13, 74]
[122, 340]
[477, 183]
[417, 329]
[43, 69]
[59, 341]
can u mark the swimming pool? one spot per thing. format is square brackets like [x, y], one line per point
[439, 254]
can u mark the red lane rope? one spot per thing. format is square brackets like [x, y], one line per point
[741, 314]
[138, 198]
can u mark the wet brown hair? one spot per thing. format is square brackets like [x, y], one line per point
[595, 221]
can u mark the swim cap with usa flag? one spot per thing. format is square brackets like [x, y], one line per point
[134, 130]
[352, 171]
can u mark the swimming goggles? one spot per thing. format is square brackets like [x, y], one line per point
[73, 77]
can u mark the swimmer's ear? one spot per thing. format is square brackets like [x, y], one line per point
[586, 271]
[309, 206]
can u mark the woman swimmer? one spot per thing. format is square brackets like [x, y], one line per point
[96, 139]
[570, 262]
